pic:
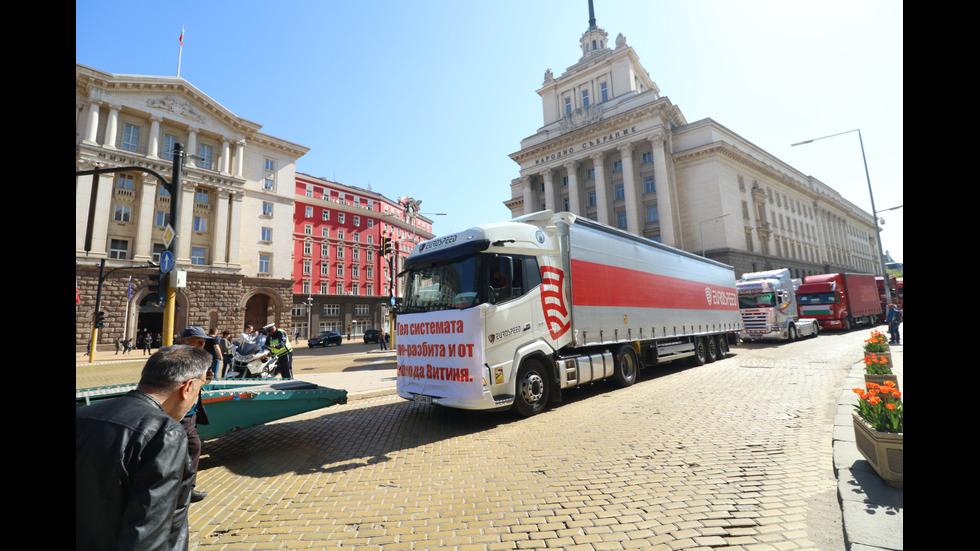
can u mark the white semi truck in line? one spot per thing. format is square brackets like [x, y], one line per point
[509, 315]
[767, 303]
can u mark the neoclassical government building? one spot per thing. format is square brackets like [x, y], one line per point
[615, 150]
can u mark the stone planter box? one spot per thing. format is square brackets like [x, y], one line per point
[880, 379]
[884, 451]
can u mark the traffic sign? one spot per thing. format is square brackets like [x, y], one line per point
[166, 261]
[168, 235]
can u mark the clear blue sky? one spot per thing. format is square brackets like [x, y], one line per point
[429, 98]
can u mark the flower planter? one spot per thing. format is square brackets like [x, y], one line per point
[884, 451]
[880, 378]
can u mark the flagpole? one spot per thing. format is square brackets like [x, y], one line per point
[180, 51]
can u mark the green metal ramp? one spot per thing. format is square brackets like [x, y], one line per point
[237, 404]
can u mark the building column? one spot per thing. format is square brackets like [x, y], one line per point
[633, 220]
[225, 156]
[92, 126]
[191, 148]
[601, 198]
[529, 203]
[549, 189]
[111, 126]
[186, 224]
[239, 159]
[154, 147]
[665, 200]
[83, 194]
[574, 204]
[220, 234]
[234, 238]
[143, 249]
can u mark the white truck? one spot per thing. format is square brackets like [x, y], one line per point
[767, 303]
[509, 315]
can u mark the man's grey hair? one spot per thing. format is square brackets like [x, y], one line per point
[172, 366]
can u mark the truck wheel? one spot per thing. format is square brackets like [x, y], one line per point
[627, 366]
[791, 333]
[700, 352]
[532, 389]
[712, 349]
[722, 345]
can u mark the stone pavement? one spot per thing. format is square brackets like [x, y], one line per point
[872, 512]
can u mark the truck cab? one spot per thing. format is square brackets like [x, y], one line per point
[767, 304]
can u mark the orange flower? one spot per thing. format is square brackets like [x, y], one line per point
[874, 400]
[890, 406]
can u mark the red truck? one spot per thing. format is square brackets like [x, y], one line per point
[893, 283]
[839, 301]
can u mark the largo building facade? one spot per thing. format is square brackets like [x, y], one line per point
[614, 149]
[236, 219]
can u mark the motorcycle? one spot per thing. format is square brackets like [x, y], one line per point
[253, 360]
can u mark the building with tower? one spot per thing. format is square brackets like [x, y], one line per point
[614, 149]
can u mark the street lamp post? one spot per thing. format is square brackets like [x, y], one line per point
[701, 229]
[874, 213]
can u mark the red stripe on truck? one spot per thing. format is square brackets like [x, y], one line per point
[603, 285]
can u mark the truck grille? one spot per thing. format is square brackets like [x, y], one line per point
[755, 321]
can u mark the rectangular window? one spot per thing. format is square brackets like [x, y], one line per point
[340, 218]
[621, 220]
[198, 256]
[326, 215]
[648, 185]
[200, 224]
[362, 309]
[204, 151]
[604, 90]
[308, 212]
[590, 174]
[307, 248]
[161, 219]
[118, 248]
[266, 209]
[585, 98]
[131, 137]
[652, 214]
[168, 146]
[270, 174]
[357, 221]
[620, 192]
[125, 181]
[201, 196]
[266, 235]
[265, 264]
[618, 166]
[591, 198]
[331, 309]
[568, 106]
[307, 267]
[121, 214]
[340, 270]
[647, 157]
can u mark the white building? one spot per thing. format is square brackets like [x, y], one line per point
[613, 149]
[236, 181]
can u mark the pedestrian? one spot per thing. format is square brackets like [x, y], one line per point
[196, 337]
[147, 342]
[381, 340]
[279, 345]
[226, 357]
[248, 334]
[132, 471]
[118, 346]
[894, 318]
[214, 347]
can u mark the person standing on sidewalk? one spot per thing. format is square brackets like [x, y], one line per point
[279, 345]
[381, 340]
[894, 317]
[225, 344]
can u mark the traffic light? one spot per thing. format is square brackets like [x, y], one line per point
[385, 246]
[99, 319]
[156, 287]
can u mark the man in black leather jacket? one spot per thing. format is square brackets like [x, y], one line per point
[132, 472]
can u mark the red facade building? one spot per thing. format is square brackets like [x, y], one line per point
[341, 282]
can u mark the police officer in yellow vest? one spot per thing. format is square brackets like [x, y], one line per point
[279, 345]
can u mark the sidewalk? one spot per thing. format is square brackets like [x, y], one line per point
[873, 512]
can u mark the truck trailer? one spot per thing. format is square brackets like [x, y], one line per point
[840, 301]
[767, 304]
[511, 314]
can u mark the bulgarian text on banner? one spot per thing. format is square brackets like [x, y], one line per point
[440, 354]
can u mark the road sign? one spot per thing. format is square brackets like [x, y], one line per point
[168, 235]
[166, 261]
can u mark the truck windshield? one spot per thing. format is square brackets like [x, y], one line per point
[443, 285]
[762, 300]
[816, 298]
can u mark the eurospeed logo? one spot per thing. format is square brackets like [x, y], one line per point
[720, 298]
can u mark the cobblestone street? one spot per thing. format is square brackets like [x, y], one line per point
[734, 454]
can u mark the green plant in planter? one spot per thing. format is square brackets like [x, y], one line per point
[881, 406]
